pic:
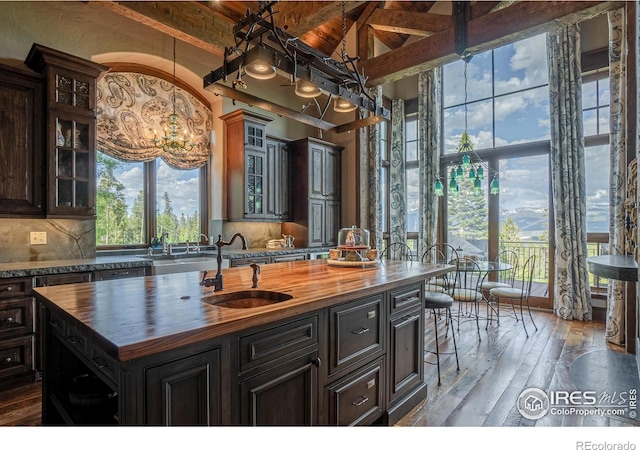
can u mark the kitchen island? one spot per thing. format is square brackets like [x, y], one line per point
[345, 348]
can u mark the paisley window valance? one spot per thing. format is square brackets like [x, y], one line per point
[132, 105]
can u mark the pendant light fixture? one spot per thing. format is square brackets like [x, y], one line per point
[340, 105]
[467, 167]
[305, 89]
[173, 140]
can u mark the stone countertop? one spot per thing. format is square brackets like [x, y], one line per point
[124, 260]
[136, 317]
[37, 268]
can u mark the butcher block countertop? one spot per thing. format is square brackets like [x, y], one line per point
[136, 317]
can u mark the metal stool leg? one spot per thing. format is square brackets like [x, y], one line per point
[435, 326]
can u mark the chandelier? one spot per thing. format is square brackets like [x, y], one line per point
[470, 166]
[173, 140]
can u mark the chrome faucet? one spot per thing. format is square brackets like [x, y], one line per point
[216, 281]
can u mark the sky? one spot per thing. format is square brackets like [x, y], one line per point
[182, 186]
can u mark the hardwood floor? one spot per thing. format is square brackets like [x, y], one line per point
[493, 373]
[496, 369]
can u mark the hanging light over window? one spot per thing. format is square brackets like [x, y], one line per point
[173, 140]
[306, 89]
[471, 166]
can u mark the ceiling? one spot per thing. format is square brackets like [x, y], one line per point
[395, 39]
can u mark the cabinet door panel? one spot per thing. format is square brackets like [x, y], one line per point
[185, 391]
[406, 358]
[21, 189]
[316, 222]
[316, 171]
[332, 174]
[332, 222]
[284, 396]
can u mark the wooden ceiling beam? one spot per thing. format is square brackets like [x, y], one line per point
[298, 18]
[409, 22]
[522, 20]
[187, 21]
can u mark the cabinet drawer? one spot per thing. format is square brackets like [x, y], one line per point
[104, 363]
[16, 356]
[15, 287]
[62, 278]
[240, 262]
[406, 298]
[282, 341]
[286, 258]
[113, 274]
[357, 399]
[16, 317]
[68, 333]
[356, 332]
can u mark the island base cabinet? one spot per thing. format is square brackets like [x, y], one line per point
[184, 392]
[357, 399]
[284, 396]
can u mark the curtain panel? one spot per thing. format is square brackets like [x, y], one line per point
[130, 106]
[397, 185]
[572, 295]
[429, 135]
[615, 324]
[370, 182]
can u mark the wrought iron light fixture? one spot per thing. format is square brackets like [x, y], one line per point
[470, 165]
[258, 39]
[173, 140]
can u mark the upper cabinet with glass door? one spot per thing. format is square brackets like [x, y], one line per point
[71, 130]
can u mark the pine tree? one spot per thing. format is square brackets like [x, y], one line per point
[111, 208]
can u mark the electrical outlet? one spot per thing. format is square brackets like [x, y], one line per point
[38, 237]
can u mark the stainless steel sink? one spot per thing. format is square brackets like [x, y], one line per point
[247, 299]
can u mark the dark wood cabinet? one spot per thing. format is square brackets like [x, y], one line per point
[283, 396]
[113, 274]
[17, 330]
[355, 363]
[358, 398]
[186, 391]
[21, 143]
[278, 204]
[70, 136]
[316, 167]
[278, 364]
[253, 164]
[184, 387]
[405, 355]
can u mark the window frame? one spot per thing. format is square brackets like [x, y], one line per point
[150, 217]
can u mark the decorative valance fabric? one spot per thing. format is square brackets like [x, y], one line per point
[132, 105]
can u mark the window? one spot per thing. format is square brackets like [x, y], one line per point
[506, 115]
[124, 216]
[412, 180]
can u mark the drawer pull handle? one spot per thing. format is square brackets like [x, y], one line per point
[74, 340]
[317, 362]
[8, 289]
[408, 319]
[361, 401]
[361, 331]
[8, 359]
[100, 363]
[54, 323]
[8, 320]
